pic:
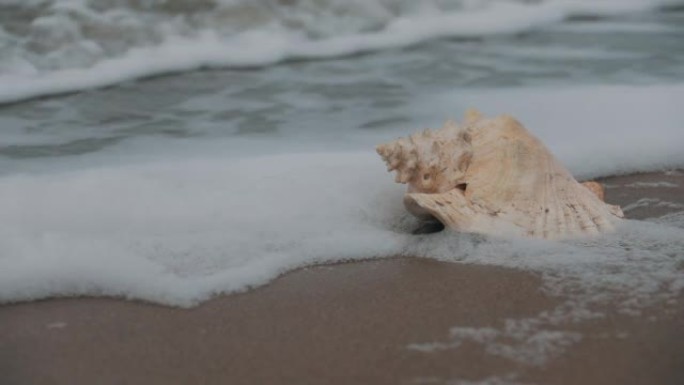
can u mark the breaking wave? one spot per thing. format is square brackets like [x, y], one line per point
[56, 46]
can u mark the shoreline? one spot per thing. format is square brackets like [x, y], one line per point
[383, 321]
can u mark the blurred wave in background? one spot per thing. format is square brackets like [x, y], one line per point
[52, 46]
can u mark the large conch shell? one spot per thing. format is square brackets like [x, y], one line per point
[492, 176]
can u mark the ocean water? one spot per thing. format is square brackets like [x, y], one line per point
[170, 151]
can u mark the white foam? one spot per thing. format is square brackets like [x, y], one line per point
[178, 228]
[177, 232]
[639, 266]
[652, 202]
[135, 44]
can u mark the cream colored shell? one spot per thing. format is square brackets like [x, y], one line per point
[492, 176]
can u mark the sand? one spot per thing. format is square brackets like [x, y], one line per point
[351, 323]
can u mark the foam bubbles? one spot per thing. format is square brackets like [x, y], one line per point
[177, 232]
[639, 266]
[181, 227]
[180, 231]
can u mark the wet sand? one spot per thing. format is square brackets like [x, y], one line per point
[346, 324]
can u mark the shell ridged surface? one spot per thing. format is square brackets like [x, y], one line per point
[492, 176]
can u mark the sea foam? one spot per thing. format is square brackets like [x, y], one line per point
[179, 232]
[178, 229]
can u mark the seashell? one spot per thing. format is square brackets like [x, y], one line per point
[492, 176]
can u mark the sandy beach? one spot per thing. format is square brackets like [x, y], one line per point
[349, 323]
[189, 192]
